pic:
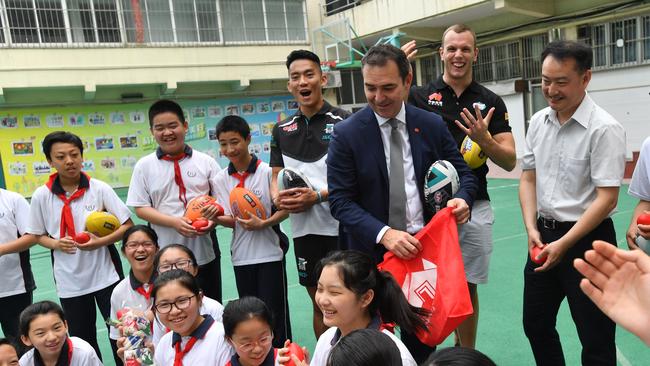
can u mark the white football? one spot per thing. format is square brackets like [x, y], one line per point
[441, 183]
[292, 178]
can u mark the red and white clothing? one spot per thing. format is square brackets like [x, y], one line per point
[270, 360]
[250, 246]
[15, 269]
[208, 306]
[206, 346]
[83, 272]
[129, 293]
[154, 184]
[75, 352]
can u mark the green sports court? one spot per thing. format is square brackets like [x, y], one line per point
[500, 333]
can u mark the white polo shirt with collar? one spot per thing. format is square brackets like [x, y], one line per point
[14, 219]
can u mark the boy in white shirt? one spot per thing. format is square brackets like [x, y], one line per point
[84, 273]
[258, 246]
[164, 182]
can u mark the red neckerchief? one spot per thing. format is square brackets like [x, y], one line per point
[143, 292]
[199, 333]
[178, 177]
[242, 176]
[67, 220]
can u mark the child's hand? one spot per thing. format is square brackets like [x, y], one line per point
[252, 223]
[207, 229]
[183, 227]
[66, 245]
[91, 244]
[285, 357]
[211, 212]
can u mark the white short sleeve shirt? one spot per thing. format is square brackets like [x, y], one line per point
[572, 159]
[84, 271]
[250, 246]
[152, 185]
[208, 306]
[83, 354]
[125, 295]
[640, 184]
[14, 219]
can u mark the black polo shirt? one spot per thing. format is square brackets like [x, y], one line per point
[304, 139]
[440, 98]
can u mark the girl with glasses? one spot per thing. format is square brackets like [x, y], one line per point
[139, 247]
[248, 324]
[195, 339]
[176, 256]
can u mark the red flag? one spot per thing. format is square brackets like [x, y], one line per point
[435, 279]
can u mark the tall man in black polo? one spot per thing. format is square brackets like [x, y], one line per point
[454, 96]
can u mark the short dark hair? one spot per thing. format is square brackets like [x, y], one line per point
[34, 310]
[379, 55]
[458, 356]
[242, 309]
[365, 347]
[61, 136]
[164, 106]
[233, 124]
[182, 248]
[135, 228]
[302, 55]
[563, 50]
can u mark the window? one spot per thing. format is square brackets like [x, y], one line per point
[336, 6]
[152, 21]
[351, 90]
[430, 68]
[482, 68]
[532, 47]
[506, 61]
[618, 43]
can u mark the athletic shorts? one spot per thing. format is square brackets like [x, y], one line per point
[309, 250]
[476, 242]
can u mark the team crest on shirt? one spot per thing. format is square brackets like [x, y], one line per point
[481, 106]
[327, 135]
[191, 173]
[90, 207]
[2, 215]
[435, 99]
[290, 128]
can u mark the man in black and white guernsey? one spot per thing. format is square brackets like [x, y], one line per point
[300, 142]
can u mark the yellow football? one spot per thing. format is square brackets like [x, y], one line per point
[101, 223]
[472, 153]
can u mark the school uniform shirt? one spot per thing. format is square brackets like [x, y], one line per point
[250, 246]
[129, 293]
[83, 272]
[640, 184]
[15, 269]
[331, 336]
[153, 185]
[301, 143]
[75, 352]
[270, 360]
[210, 347]
[208, 306]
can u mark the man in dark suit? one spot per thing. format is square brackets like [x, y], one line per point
[378, 201]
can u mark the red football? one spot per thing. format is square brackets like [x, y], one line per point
[82, 237]
[200, 224]
[244, 203]
[643, 219]
[534, 252]
[295, 349]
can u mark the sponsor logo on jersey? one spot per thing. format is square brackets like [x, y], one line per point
[435, 99]
[327, 135]
[290, 128]
[481, 106]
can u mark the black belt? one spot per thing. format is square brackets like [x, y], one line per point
[552, 224]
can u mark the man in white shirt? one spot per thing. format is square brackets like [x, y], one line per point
[573, 166]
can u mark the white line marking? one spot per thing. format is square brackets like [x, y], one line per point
[620, 357]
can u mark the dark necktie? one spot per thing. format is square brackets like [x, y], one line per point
[397, 193]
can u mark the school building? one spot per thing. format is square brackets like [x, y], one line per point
[94, 66]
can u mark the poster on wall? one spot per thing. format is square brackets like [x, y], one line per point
[115, 137]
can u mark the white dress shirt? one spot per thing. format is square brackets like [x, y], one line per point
[414, 218]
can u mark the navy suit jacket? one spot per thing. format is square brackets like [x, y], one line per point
[357, 176]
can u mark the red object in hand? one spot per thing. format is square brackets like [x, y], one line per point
[534, 252]
[82, 237]
[219, 208]
[643, 219]
[295, 349]
[200, 224]
[120, 313]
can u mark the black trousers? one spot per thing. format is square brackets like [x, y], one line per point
[11, 307]
[268, 281]
[81, 314]
[209, 278]
[545, 291]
